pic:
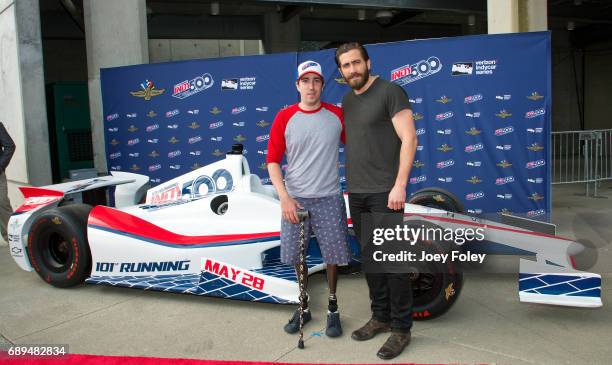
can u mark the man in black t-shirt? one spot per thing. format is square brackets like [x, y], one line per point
[380, 147]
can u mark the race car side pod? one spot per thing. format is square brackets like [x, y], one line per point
[302, 216]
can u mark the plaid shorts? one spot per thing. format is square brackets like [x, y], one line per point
[328, 223]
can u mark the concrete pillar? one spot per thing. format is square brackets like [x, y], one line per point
[115, 35]
[22, 95]
[279, 36]
[502, 16]
[533, 15]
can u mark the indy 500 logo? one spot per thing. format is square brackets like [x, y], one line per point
[412, 72]
[187, 88]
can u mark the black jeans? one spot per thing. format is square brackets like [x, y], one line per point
[390, 294]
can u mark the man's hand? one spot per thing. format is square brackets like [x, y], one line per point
[397, 198]
[289, 207]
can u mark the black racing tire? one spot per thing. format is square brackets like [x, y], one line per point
[436, 288]
[435, 285]
[57, 245]
[437, 198]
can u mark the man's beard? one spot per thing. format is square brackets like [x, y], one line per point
[364, 79]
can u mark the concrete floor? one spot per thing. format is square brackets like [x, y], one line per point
[486, 325]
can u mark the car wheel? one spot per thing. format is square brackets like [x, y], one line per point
[437, 198]
[57, 245]
[435, 285]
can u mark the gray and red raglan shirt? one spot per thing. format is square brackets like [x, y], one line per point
[309, 139]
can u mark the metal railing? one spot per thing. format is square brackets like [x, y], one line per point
[582, 157]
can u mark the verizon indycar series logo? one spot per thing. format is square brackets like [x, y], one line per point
[420, 131]
[187, 88]
[473, 147]
[133, 142]
[504, 131]
[474, 196]
[418, 179]
[112, 117]
[416, 100]
[412, 72]
[472, 98]
[444, 164]
[154, 167]
[444, 116]
[462, 68]
[535, 164]
[535, 113]
[486, 67]
[244, 83]
[504, 180]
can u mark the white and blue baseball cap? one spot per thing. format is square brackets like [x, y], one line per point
[309, 67]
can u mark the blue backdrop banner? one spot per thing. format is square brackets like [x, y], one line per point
[481, 108]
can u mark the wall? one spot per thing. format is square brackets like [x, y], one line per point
[164, 50]
[565, 111]
[598, 79]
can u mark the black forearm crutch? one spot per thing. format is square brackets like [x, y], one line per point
[302, 216]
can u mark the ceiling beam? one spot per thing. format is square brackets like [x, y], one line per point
[447, 5]
[401, 18]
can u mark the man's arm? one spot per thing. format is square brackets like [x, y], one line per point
[8, 148]
[276, 150]
[288, 205]
[404, 127]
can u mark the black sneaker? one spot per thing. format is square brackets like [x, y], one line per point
[293, 325]
[334, 328]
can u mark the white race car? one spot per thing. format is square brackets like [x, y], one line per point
[215, 231]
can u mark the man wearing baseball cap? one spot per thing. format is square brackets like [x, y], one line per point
[307, 134]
